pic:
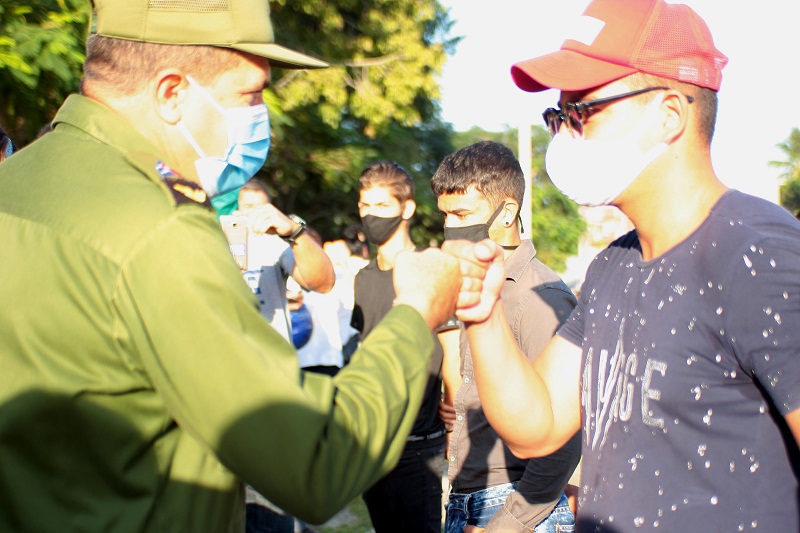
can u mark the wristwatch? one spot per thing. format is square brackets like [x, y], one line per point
[301, 227]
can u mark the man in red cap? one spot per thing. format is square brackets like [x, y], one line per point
[678, 364]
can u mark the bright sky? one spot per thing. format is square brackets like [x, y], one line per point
[759, 98]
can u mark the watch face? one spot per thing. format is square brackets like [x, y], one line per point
[297, 219]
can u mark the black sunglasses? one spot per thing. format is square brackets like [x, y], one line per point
[574, 113]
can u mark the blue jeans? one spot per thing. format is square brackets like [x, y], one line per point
[264, 517]
[479, 507]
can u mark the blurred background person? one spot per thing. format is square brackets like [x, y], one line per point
[410, 497]
[6, 145]
[277, 248]
[349, 255]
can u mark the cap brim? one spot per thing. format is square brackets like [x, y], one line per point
[280, 56]
[567, 71]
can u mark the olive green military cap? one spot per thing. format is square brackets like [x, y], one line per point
[239, 24]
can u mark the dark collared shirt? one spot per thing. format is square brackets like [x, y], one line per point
[536, 303]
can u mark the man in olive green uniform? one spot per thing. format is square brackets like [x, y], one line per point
[139, 384]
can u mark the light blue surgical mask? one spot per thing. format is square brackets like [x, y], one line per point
[248, 146]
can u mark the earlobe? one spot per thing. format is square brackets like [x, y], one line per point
[510, 211]
[170, 92]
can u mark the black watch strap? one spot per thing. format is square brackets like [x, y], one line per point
[301, 227]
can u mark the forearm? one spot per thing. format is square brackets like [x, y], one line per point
[232, 386]
[313, 269]
[313, 450]
[513, 395]
[451, 363]
[793, 420]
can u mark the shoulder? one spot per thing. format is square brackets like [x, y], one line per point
[367, 270]
[369, 276]
[530, 272]
[754, 217]
[622, 250]
[750, 236]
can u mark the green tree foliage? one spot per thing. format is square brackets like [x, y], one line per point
[556, 225]
[41, 54]
[790, 188]
[378, 100]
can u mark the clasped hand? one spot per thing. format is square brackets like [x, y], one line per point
[482, 273]
[464, 278]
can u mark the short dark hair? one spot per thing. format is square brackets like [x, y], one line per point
[389, 175]
[256, 184]
[489, 166]
[123, 66]
[705, 100]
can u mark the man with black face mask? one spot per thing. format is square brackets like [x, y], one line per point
[480, 189]
[408, 498]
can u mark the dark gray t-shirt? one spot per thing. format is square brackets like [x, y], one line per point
[685, 359]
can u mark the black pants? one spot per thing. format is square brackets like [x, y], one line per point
[409, 498]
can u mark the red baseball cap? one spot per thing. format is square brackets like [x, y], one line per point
[616, 38]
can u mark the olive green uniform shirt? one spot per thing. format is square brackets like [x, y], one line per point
[139, 384]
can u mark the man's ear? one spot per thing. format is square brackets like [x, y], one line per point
[408, 209]
[171, 90]
[676, 109]
[508, 216]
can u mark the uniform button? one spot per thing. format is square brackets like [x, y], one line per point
[459, 418]
[466, 380]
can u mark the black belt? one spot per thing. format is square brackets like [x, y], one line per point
[415, 438]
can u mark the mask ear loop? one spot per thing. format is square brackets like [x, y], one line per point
[204, 93]
[190, 139]
[495, 214]
[182, 127]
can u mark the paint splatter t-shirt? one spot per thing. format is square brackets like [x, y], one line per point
[688, 361]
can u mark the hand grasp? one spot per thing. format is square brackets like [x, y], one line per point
[269, 219]
[447, 412]
[429, 281]
[483, 275]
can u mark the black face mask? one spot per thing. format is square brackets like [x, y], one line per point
[379, 229]
[474, 233]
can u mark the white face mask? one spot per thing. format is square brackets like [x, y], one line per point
[595, 172]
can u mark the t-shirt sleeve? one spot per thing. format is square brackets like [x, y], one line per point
[572, 329]
[547, 308]
[762, 317]
[287, 261]
[233, 383]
